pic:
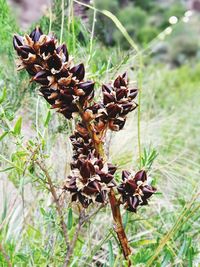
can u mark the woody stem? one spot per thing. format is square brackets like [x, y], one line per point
[114, 203]
[118, 226]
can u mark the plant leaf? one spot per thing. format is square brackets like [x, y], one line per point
[3, 96]
[111, 254]
[47, 120]
[18, 126]
[3, 135]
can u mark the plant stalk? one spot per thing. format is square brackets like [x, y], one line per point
[114, 203]
[118, 225]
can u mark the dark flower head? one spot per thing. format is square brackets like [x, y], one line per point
[90, 178]
[117, 103]
[135, 189]
[49, 65]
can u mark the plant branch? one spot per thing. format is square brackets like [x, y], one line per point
[56, 200]
[118, 226]
[82, 220]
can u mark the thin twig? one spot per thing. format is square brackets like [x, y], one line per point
[89, 216]
[81, 221]
[56, 199]
[6, 257]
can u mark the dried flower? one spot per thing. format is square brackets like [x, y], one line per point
[64, 87]
[117, 103]
[90, 180]
[49, 64]
[135, 189]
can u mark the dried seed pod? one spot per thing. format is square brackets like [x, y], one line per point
[135, 189]
[91, 179]
[117, 103]
[50, 65]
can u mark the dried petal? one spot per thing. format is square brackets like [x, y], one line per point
[78, 71]
[35, 34]
[141, 176]
[17, 41]
[87, 87]
[42, 77]
[63, 49]
[54, 62]
[48, 47]
[87, 169]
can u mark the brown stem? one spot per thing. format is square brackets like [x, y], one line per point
[6, 257]
[115, 206]
[98, 144]
[56, 200]
[118, 226]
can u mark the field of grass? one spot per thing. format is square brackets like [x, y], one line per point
[165, 233]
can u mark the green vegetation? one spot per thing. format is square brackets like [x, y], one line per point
[142, 19]
[166, 233]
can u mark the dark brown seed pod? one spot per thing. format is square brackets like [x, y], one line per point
[135, 189]
[49, 65]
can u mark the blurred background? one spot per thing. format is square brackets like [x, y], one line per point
[167, 35]
[144, 20]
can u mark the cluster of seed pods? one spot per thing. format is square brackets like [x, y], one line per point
[64, 87]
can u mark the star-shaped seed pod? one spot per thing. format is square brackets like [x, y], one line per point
[135, 189]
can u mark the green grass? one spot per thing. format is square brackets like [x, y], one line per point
[164, 234]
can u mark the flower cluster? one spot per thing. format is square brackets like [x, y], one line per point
[49, 64]
[65, 89]
[135, 189]
[91, 178]
[82, 142]
[117, 103]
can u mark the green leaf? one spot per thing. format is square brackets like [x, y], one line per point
[23, 257]
[111, 254]
[43, 211]
[190, 257]
[18, 126]
[7, 169]
[47, 120]
[21, 154]
[70, 219]
[3, 135]
[3, 96]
